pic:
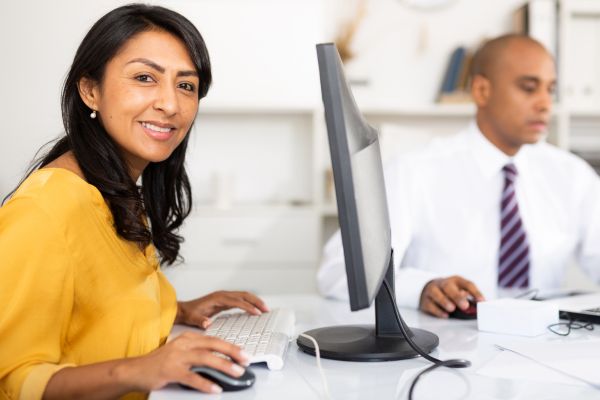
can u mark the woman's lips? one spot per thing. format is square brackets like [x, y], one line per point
[158, 131]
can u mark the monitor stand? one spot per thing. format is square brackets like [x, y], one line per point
[382, 342]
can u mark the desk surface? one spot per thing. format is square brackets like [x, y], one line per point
[300, 378]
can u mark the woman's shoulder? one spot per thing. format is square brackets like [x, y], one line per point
[59, 192]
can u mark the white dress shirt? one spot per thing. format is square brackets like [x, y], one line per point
[444, 205]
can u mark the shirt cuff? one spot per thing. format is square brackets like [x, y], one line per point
[409, 285]
[35, 383]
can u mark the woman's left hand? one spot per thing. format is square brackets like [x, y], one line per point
[198, 312]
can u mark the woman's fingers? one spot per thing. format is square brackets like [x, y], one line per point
[239, 302]
[255, 301]
[199, 320]
[193, 380]
[243, 300]
[190, 341]
[215, 361]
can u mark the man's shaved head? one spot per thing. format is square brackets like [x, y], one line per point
[513, 81]
[489, 58]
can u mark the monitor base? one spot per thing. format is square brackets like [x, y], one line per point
[361, 343]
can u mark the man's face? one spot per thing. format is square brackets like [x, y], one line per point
[521, 86]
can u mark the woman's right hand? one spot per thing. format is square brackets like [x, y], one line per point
[171, 363]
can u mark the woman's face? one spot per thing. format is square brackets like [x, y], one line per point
[148, 98]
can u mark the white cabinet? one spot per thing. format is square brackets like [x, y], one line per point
[579, 69]
[263, 249]
[282, 237]
[260, 170]
[267, 236]
[255, 224]
[579, 56]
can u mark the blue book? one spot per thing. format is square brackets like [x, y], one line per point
[452, 76]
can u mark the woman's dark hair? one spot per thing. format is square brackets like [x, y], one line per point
[165, 195]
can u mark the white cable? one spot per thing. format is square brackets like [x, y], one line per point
[318, 356]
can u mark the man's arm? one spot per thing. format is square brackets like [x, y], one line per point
[331, 277]
[332, 282]
[588, 252]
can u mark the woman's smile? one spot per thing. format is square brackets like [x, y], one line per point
[158, 131]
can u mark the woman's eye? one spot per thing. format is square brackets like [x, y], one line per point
[187, 86]
[144, 78]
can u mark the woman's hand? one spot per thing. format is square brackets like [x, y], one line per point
[198, 312]
[171, 363]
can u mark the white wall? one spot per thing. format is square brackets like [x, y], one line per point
[38, 40]
[255, 55]
[401, 51]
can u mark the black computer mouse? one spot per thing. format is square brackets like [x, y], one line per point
[227, 382]
[468, 313]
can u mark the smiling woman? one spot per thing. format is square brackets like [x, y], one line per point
[87, 309]
[148, 98]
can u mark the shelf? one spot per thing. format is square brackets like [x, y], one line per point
[258, 230]
[434, 110]
[377, 110]
[254, 109]
[429, 110]
[591, 112]
[328, 210]
[581, 8]
[204, 210]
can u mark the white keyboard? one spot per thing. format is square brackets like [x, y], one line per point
[264, 337]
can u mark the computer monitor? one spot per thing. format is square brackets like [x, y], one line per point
[365, 228]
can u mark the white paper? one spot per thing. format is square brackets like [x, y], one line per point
[568, 362]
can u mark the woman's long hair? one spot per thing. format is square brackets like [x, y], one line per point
[165, 196]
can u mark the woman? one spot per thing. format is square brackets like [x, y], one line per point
[86, 308]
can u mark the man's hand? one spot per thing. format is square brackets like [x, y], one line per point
[441, 296]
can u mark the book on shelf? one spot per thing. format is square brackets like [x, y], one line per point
[455, 85]
[538, 19]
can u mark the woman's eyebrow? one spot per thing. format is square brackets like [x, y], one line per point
[160, 68]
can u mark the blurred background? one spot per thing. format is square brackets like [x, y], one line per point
[258, 160]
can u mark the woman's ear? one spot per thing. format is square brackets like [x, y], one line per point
[480, 90]
[88, 90]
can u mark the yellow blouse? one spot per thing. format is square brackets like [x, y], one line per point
[71, 291]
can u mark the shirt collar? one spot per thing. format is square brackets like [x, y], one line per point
[488, 157]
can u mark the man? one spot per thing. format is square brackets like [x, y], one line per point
[494, 204]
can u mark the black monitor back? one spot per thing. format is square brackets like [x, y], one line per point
[359, 185]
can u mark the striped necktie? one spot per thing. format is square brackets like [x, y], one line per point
[513, 266]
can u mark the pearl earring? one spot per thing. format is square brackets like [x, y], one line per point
[93, 114]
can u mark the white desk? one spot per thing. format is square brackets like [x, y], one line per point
[300, 378]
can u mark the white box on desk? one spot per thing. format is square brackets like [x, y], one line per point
[516, 316]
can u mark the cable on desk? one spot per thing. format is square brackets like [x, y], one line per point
[452, 363]
[318, 356]
[445, 363]
[571, 325]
